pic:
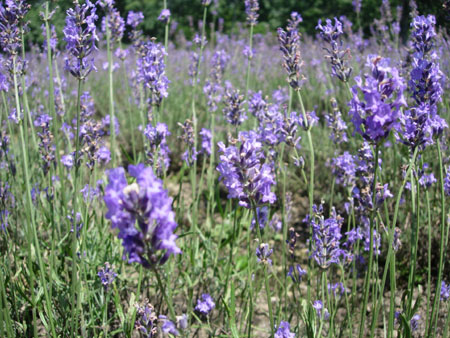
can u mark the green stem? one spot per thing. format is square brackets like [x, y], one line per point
[368, 279]
[74, 287]
[112, 120]
[443, 243]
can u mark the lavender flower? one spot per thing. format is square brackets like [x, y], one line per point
[234, 107]
[296, 273]
[263, 252]
[292, 61]
[151, 72]
[262, 214]
[322, 313]
[188, 137]
[284, 331]
[146, 203]
[213, 87]
[205, 305]
[206, 141]
[157, 149]
[12, 24]
[46, 146]
[326, 235]
[421, 122]
[294, 20]
[414, 322]
[112, 23]
[146, 320]
[336, 124]
[243, 172]
[377, 113]
[445, 291]
[107, 275]
[251, 9]
[164, 16]
[67, 161]
[447, 182]
[344, 169]
[168, 327]
[134, 19]
[80, 35]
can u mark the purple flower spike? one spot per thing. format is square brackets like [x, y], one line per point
[376, 113]
[263, 252]
[251, 9]
[164, 16]
[205, 305]
[289, 41]
[296, 273]
[243, 172]
[142, 211]
[284, 331]
[80, 35]
[107, 275]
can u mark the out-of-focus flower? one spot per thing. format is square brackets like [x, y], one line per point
[107, 275]
[164, 16]
[205, 304]
[284, 331]
[263, 253]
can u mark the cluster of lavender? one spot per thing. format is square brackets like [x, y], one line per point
[149, 324]
[213, 87]
[46, 145]
[12, 24]
[326, 235]
[92, 148]
[112, 23]
[337, 125]
[251, 9]
[157, 150]
[289, 41]
[233, 110]
[330, 34]
[152, 73]
[80, 35]
[376, 114]
[244, 173]
[205, 305]
[420, 123]
[142, 211]
[188, 137]
[107, 275]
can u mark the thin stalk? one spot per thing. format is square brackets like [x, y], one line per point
[311, 178]
[249, 61]
[443, 243]
[414, 240]
[112, 119]
[74, 286]
[368, 279]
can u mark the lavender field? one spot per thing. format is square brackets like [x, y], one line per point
[236, 184]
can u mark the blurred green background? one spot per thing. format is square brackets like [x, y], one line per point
[273, 14]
